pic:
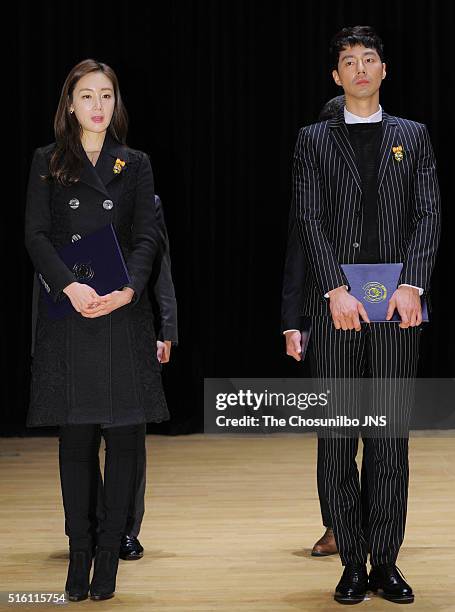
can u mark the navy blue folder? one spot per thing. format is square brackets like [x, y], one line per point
[373, 285]
[96, 260]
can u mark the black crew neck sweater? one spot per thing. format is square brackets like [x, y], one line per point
[366, 139]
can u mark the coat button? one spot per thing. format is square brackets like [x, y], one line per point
[75, 237]
[108, 204]
[355, 245]
[74, 203]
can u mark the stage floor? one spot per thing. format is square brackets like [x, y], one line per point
[229, 526]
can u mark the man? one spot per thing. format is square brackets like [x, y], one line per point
[291, 325]
[164, 297]
[365, 191]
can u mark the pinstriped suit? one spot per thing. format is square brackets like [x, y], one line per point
[327, 198]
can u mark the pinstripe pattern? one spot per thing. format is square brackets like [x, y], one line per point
[382, 351]
[327, 200]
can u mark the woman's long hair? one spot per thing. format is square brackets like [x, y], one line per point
[68, 157]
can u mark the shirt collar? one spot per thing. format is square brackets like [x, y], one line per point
[374, 118]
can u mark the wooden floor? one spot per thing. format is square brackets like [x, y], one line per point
[229, 526]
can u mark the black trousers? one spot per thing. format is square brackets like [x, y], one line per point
[78, 455]
[136, 506]
[376, 524]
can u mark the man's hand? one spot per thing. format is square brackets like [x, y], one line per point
[294, 344]
[407, 301]
[109, 302]
[345, 310]
[163, 350]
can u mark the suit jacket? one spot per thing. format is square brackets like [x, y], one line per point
[163, 287]
[327, 200]
[293, 279]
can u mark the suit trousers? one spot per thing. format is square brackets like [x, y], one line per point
[136, 506]
[376, 525]
[78, 455]
[367, 466]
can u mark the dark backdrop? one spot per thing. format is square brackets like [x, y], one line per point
[216, 93]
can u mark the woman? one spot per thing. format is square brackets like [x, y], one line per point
[94, 372]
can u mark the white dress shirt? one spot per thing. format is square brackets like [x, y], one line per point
[374, 118]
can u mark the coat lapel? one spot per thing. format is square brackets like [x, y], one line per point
[102, 174]
[340, 136]
[388, 141]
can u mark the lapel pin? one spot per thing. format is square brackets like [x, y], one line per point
[118, 166]
[398, 152]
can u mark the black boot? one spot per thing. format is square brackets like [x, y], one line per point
[388, 579]
[77, 582]
[104, 574]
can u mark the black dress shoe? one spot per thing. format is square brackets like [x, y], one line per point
[131, 549]
[389, 579]
[77, 581]
[104, 574]
[353, 585]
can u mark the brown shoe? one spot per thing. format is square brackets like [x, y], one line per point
[326, 545]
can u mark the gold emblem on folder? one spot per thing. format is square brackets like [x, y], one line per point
[374, 292]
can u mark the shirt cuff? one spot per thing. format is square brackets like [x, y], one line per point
[413, 286]
[286, 330]
[326, 295]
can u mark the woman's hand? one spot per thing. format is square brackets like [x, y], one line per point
[109, 302]
[83, 297]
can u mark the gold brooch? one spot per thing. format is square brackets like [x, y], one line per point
[118, 166]
[398, 152]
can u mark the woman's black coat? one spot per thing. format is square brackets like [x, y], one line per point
[95, 370]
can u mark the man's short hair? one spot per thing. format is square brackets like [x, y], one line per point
[331, 108]
[356, 35]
